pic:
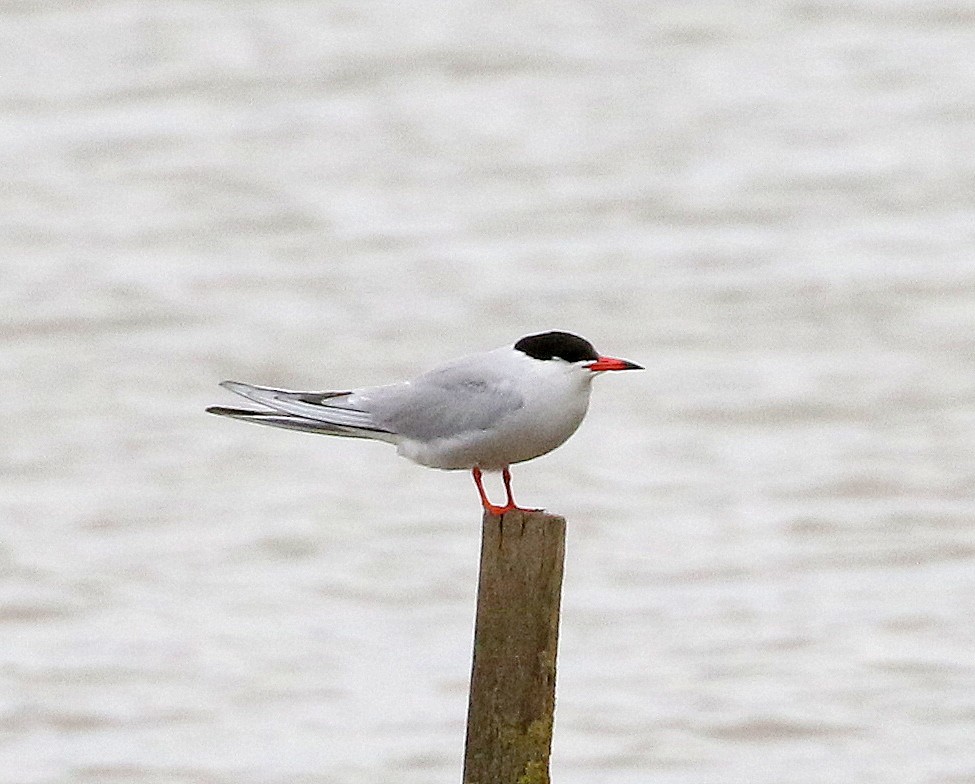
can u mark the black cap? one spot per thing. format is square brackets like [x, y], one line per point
[561, 345]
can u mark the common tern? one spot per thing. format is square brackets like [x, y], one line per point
[480, 413]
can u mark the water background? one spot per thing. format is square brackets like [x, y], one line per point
[771, 555]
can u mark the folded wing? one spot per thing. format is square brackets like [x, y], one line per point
[446, 403]
[332, 413]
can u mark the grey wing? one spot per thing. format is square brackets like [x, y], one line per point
[286, 421]
[444, 403]
[339, 413]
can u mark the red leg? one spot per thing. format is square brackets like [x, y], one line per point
[476, 473]
[506, 475]
[510, 505]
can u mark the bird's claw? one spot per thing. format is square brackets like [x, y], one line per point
[498, 511]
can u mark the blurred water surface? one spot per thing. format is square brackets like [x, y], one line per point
[771, 568]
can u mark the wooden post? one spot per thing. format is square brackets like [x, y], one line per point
[512, 700]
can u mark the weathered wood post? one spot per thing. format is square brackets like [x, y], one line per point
[516, 632]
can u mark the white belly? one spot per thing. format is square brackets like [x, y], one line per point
[528, 433]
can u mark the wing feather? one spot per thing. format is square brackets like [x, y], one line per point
[288, 422]
[330, 408]
[445, 403]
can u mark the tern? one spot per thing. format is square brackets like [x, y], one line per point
[482, 412]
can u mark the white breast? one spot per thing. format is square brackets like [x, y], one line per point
[552, 399]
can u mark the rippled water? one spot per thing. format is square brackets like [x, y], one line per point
[771, 566]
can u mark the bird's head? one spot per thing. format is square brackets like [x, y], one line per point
[572, 350]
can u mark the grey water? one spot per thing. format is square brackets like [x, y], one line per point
[771, 552]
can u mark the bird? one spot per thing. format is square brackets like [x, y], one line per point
[482, 412]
